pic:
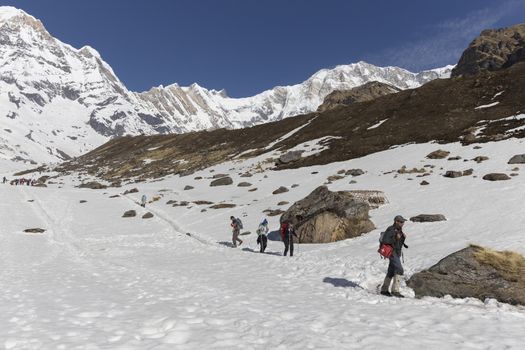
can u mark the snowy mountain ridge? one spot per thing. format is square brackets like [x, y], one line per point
[57, 101]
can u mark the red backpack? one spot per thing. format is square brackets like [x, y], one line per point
[284, 227]
[385, 250]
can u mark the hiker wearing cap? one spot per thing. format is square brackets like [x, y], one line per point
[395, 237]
[236, 225]
[262, 231]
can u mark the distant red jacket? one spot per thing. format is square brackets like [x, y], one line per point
[284, 227]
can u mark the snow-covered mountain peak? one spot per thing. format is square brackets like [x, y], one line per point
[66, 101]
[9, 12]
[89, 51]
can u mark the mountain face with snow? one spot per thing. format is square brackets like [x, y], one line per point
[57, 101]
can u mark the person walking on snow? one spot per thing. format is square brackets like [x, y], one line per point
[4, 180]
[236, 230]
[262, 231]
[287, 233]
[143, 201]
[395, 237]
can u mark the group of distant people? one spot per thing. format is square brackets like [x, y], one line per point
[391, 244]
[20, 182]
[286, 230]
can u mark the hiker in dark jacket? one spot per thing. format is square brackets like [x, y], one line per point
[287, 233]
[395, 237]
[236, 230]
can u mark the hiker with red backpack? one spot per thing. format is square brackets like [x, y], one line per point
[392, 242]
[236, 225]
[287, 233]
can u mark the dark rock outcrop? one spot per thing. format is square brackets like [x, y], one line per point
[428, 218]
[281, 189]
[496, 177]
[93, 185]
[474, 272]
[480, 159]
[324, 216]
[366, 92]
[453, 174]
[188, 187]
[34, 230]
[148, 215]
[223, 205]
[223, 181]
[517, 159]
[439, 154]
[129, 214]
[468, 172]
[354, 172]
[492, 50]
[133, 190]
[244, 184]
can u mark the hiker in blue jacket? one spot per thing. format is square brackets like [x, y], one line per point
[395, 237]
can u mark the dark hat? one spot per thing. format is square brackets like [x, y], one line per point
[400, 218]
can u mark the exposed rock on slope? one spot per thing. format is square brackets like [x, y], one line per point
[324, 216]
[474, 272]
[366, 92]
[494, 49]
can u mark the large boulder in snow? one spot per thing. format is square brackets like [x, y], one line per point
[222, 181]
[129, 214]
[439, 154]
[474, 272]
[280, 190]
[517, 159]
[496, 177]
[428, 218]
[324, 216]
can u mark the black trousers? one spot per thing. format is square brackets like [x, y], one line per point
[288, 244]
[263, 241]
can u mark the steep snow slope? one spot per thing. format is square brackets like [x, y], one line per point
[95, 280]
[57, 101]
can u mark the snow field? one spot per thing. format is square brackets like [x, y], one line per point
[96, 280]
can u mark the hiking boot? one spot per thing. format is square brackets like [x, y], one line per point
[240, 243]
[397, 295]
[386, 293]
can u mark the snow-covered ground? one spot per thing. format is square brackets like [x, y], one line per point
[94, 280]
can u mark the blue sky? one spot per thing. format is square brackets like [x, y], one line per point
[247, 46]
